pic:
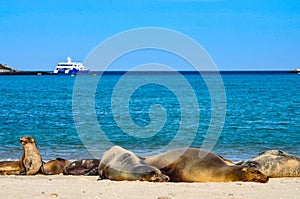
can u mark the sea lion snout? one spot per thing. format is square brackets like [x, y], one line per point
[260, 177]
[22, 140]
[264, 179]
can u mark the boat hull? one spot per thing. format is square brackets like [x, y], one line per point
[70, 72]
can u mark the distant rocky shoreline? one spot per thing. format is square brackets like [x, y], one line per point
[6, 70]
[26, 73]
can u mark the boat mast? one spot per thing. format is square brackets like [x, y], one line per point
[69, 60]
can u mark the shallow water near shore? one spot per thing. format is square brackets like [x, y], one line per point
[262, 113]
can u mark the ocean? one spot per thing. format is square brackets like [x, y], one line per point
[83, 116]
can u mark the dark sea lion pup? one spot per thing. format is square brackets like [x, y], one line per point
[30, 163]
[83, 167]
[195, 165]
[120, 164]
[275, 163]
[55, 167]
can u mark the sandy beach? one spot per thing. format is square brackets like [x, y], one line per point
[60, 186]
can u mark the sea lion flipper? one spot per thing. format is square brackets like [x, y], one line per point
[92, 172]
[100, 178]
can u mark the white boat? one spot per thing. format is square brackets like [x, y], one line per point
[296, 70]
[70, 67]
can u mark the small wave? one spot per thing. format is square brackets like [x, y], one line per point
[8, 159]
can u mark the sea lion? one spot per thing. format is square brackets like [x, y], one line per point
[31, 158]
[228, 162]
[121, 164]
[82, 167]
[276, 163]
[30, 163]
[195, 165]
[55, 167]
[12, 168]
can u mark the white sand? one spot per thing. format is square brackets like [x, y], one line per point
[88, 187]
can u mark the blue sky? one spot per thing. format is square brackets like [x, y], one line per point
[238, 34]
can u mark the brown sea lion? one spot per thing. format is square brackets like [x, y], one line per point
[83, 167]
[31, 158]
[195, 165]
[30, 163]
[55, 167]
[228, 162]
[275, 163]
[12, 168]
[120, 164]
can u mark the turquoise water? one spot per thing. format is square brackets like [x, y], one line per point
[262, 113]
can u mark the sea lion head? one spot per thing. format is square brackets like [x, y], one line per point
[159, 178]
[252, 174]
[26, 140]
[149, 173]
